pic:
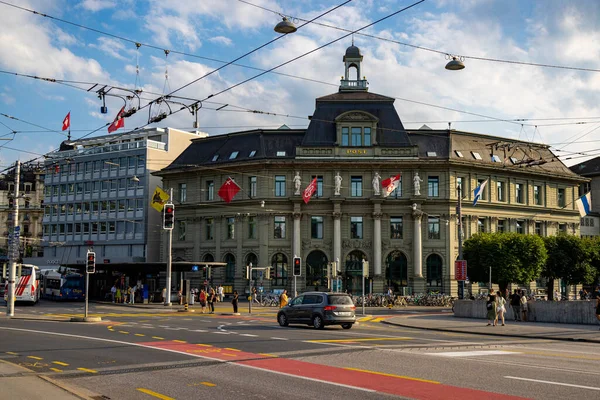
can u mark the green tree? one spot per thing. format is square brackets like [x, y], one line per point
[513, 257]
[592, 245]
[568, 260]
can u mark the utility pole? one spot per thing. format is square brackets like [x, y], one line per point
[169, 257]
[10, 307]
[461, 284]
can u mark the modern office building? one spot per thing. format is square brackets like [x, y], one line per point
[97, 196]
[354, 141]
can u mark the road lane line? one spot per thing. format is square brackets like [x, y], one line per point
[553, 383]
[124, 332]
[154, 394]
[56, 370]
[410, 378]
[158, 337]
[279, 338]
[248, 335]
[139, 334]
[209, 384]
[356, 340]
[60, 363]
[474, 353]
[204, 345]
[267, 355]
[179, 341]
[230, 349]
[12, 353]
[35, 358]
[91, 371]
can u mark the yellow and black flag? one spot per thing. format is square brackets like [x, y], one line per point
[159, 198]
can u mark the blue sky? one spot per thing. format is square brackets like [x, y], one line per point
[554, 32]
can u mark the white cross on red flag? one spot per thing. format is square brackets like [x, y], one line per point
[228, 191]
[67, 122]
[310, 189]
[390, 184]
[119, 122]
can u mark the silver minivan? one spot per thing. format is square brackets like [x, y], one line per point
[319, 309]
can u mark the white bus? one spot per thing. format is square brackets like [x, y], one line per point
[62, 284]
[27, 288]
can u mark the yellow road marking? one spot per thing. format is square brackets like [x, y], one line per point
[91, 371]
[158, 337]
[357, 340]
[204, 345]
[267, 355]
[12, 353]
[60, 363]
[124, 332]
[35, 358]
[541, 353]
[154, 394]
[139, 334]
[208, 384]
[229, 348]
[56, 370]
[363, 319]
[109, 327]
[379, 319]
[391, 375]
[179, 341]
[228, 355]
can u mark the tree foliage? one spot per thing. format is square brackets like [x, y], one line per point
[569, 259]
[513, 257]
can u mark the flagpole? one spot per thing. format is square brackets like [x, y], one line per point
[461, 284]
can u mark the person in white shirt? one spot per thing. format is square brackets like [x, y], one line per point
[132, 295]
[220, 292]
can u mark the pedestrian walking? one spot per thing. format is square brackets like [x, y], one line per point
[192, 296]
[132, 296]
[598, 308]
[490, 305]
[113, 292]
[118, 295]
[524, 306]
[255, 295]
[164, 295]
[212, 298]
[500, 308]
[202, 300]
[283, 299]
[221, 293]
[234, 301]
[515, 304]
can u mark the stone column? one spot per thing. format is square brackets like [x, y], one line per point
[263, 239]
[337, 237]
[297, 235]
[419, 282]
[377, 243]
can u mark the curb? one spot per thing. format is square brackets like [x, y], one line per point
[39, 318]
[81, 393]
[561, 339]
[85, 319]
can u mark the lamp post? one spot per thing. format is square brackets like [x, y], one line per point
[461, 284]
[10, 305]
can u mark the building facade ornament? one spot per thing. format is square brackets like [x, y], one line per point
[297, 183]
[417, 184]
[357, 244]
[337, 180]
[376, 184]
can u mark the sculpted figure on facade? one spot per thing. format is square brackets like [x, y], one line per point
[337, 179]
[417, 183]
[297, 183]
[376, 184]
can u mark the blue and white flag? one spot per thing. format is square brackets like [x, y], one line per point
[584, 204]
[478, 191]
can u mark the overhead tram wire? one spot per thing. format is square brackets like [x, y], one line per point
[441, 52]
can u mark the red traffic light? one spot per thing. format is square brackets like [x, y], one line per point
[91, 257]
[168, 209]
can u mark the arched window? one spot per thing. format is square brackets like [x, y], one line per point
[316, 270]
[434, 272]
[230, 267]
[208, 258]
[252, 258]
[279, 269]
[396, 271]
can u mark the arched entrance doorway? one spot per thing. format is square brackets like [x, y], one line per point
[229, 268]
[434, 273]
[252, 259]
[316, 270]
[353, 272]
[396, 271]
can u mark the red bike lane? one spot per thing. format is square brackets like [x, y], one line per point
[362, 380]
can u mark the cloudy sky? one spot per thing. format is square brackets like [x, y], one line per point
[404, 58]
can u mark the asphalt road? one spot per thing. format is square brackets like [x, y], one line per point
[145, 354]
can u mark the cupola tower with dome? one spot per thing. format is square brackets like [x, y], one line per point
[352, 60]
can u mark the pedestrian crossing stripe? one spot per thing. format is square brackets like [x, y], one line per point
[473, 353]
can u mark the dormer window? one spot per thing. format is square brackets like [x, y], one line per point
[356, 129]
[495, 158]
[476, 155]
[252, 154]
[281, 154]
[431, 154]
[233, 155]
[215, 157]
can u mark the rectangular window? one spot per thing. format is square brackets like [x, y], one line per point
[279, 231]
[253, 181]
[356, 137]
[396, 228]
[459, 184]
[252, 227]
[367, 132]
[433, 225]
[209, 229]
[345, 136]
[182, 192]
[520, 227]
[538, 228]
[484, 191]
[561, 198]
[316, 227]
[433, 186]
[181, 228]
[356, 227]
[501, 192]
[230, 228]
[111, 227]
[481, 225]
[86, 228]
[537, 195]
[562, 228]
[210, 190]
[356, 186]
[279, 185]
[319, 191]
[519, 193]
[501, 227]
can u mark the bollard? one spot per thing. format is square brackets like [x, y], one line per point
[185, 306]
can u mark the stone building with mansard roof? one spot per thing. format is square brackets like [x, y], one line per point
[409, 238]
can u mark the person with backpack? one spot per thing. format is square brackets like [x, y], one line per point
[490, 305]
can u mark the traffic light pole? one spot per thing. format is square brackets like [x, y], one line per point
[87, 292]
[10, 306]
[169, 261]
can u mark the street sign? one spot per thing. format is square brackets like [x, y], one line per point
[460, 270]
[205, 282]
[194, 268]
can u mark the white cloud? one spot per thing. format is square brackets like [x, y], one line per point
[113, 48]
[7, 98]
[221, 40]
[97, 5]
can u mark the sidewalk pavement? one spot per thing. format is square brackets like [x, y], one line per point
[20, 383]
[529, 330]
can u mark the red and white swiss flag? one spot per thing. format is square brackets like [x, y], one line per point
[310, 189]
[228, 191]
[67, 122]
[390, 184]
[119, 122]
